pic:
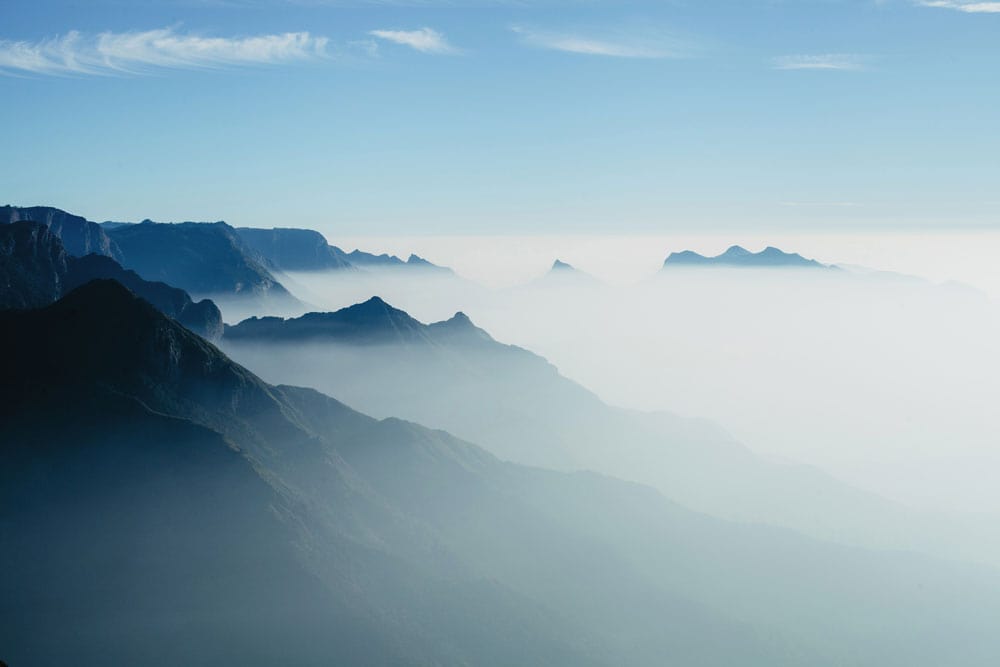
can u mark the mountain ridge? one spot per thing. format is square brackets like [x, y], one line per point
[739, 257]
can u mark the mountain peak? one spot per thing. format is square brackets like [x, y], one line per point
[560, 265]
[459, 328]
[736, 251]
[371, 321]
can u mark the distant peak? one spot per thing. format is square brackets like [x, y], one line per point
[736, 251]
[373, 309]
[738, 256]
[458, 328]
[461, 318]
[560, 265]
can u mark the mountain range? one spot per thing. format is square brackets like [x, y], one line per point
[739, 257]
[307, 250]
[160, 504]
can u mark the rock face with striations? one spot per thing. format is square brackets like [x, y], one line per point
[32, 265]
[35, 271]
[79, 236]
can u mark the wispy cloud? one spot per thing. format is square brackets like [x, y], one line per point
[140, 52]
[825, 61]
[425, 40]
[617, 45]
[962, 6]
[820, 204]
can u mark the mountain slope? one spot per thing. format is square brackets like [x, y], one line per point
[424, 548]
[78, 235]
[35, 271]
[380, 360]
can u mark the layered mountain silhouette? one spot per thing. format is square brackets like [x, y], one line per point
[384, 362]
[739, 257]
[204, 259]
[373, 322]
[35, 270]
[363, 259]
[307, 250]
[162, 505]
[79, 236]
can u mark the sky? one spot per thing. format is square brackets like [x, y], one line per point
[507, 118]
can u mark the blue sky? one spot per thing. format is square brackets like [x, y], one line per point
[506, 117]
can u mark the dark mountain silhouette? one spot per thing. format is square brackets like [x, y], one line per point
[516, 404]
[202, 258]
[295, 249]
[32, 264]
[202, 317]
[79, 235]
[35, 271]
[737, 256]
[373, 322]
[162, 505]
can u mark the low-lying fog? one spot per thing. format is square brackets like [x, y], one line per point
[887, 382]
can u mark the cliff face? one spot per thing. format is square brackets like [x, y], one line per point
[32, 264]
[294, 249]
[36, 270]
[78, 235]
[203, 259]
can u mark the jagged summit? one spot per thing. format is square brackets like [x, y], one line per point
[419, 261]
[560, 265]
[738, 256]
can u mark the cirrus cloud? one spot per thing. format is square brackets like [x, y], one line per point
[143, 51]
[825, 61]
[618, 44]
[964, 6]
[425, 40]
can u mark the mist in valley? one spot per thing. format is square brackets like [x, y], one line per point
[882, 380]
